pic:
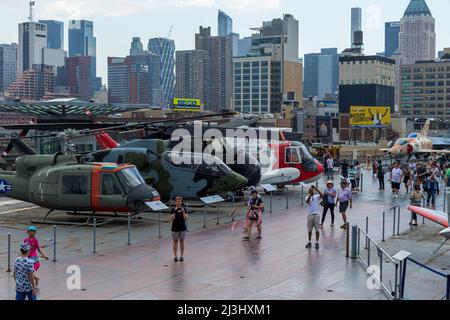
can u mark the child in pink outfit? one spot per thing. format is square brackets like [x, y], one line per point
[35, 248]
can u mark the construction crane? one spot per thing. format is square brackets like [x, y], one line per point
[32, 4]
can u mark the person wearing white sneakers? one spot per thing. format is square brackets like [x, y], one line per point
[313, 202]
[396, 179]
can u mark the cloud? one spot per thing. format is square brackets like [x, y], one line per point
[250, 5]
[76, 9]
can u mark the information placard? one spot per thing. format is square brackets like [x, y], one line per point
[269, 187]
[212, 199]
[157, 206]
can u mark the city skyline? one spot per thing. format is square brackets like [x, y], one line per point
[114, 40]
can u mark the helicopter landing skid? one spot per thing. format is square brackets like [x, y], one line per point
[101, 219]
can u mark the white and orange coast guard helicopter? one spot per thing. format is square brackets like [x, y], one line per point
[438, 217]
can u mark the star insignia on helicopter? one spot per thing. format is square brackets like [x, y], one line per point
[5, 186]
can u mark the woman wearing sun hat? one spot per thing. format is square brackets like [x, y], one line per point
[329, 200]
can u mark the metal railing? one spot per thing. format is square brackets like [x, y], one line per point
[403, 278]
[395, 223]
[383, 258]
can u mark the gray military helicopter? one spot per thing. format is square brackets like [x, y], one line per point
[201, 176]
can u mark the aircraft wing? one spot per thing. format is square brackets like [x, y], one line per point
[433, 215]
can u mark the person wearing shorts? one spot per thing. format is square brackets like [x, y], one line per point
[23, 275]
[344, 200]
[178, 216]
[313, 202]
[396, 179]
[254, 215]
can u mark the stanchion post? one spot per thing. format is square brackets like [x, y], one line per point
[354, 252]
[362, 182]
[393, 223]
[94, 235]
[445, 198]
[187, 221]
[287, 200]
[129, 228]
[398, 221]
[9, 252]
[270, 201]
[447, 295]
[303, 196]
[384, 226]
[347, 240]
[159, 224]
[54, 243]
[367, 231]
[204, 216]
[218, 214]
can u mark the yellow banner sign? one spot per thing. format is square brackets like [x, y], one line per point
[370, 116]
[192, 105]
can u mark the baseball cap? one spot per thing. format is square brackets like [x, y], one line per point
[330, 182]
[25, 247]
[32, 228]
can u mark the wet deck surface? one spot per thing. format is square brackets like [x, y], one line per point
[218, 264]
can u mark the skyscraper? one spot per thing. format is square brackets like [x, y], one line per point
[220, 69]
[8, 65]
[134, 79]
[364, 81]
[224, 24]
[272, 66]
[165, 49]
[82, 43]
[391, 38]
[243, 46]
[321, 73]
[192, 74]
[417, 33]
[356, 24]
[55, 33]
[81, 39]
[33, 84]
[311, 81]
[32, 41]
[328, 73]
[81, 76]
[136, 47]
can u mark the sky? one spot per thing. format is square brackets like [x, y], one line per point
[323, 23]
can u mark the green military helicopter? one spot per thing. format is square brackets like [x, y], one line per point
[67, 182]
[205, 175]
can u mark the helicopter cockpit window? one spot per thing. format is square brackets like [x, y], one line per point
[74, 184]
[308, 163]
[401, 142]
[130, 178]
[110, 186]
[293, 155]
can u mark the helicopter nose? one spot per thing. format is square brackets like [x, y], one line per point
[143, 193]
[237, 181]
